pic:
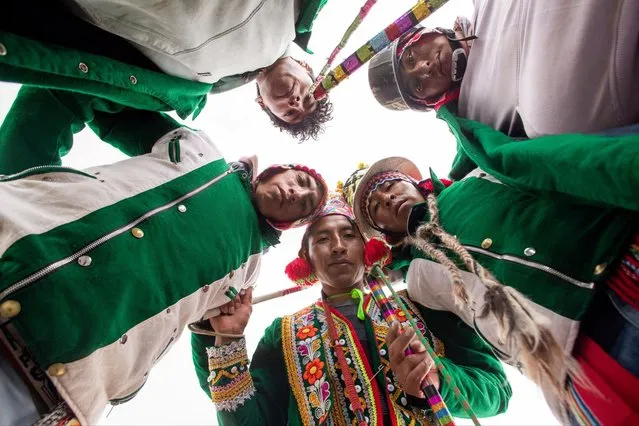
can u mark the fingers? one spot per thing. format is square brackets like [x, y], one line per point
[224, 309]
[416, 346]
[392, 334]
[399, 346]
[246, 296]
[418, 373]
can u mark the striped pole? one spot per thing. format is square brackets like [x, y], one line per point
[435, 400]
[379, 273]
[349, 32]
[365, 53]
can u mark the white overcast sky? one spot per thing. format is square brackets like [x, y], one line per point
[362, 131]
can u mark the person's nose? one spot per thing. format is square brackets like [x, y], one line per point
[297, 193]
[294, 101]
[292, 195]
[424, 68]
[339, 247]
[388, 199]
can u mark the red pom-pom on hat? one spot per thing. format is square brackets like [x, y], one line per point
[301, 273]
[377, 252]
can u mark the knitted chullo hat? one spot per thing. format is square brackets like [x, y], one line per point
[299, 270]
[365, 180]
[277, 168]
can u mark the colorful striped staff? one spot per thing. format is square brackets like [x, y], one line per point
[435, 400]
[403, 24]
[349, 32]
[379, 273]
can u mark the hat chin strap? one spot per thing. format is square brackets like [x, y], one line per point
[458, 67]
[459, 57]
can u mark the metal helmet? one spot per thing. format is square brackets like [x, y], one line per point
[384, 78]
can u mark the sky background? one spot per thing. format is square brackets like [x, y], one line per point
[362, 131]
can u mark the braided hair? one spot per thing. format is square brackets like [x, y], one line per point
[523, 331]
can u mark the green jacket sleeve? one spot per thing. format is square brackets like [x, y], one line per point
[270, 402]
[38, 129]
[584, 168]
[472, 365]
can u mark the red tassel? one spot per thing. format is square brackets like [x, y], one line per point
[377, 252]
[301, 273]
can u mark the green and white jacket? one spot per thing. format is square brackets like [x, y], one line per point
[102, 269]
[547, 216]
[66, 87]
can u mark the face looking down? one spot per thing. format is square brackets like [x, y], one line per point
[288, 195]
[425, 66]
[335, 251]
[284, 90]
[389, 206]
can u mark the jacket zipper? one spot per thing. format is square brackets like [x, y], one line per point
[533, 265]
[164, 350]
[223, 33]
[174, 150]
[60, 263]
[127, 398]
[43, 169]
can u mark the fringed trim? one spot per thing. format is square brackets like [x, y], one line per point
[230, 382]
[234, 394]
[222, 356]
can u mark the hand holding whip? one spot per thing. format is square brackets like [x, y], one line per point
[377, 256]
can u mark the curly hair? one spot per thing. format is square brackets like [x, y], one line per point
[310, 127]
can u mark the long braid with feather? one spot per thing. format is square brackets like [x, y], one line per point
[525, 332]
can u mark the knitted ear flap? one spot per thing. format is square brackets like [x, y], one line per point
[377, 252]
[300, 272]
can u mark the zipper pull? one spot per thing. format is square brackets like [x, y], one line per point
[174, 150]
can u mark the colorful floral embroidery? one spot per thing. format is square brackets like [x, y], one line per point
[306, 332]
[400, 315]
[314, 370]
[311, 389]
[315, 377]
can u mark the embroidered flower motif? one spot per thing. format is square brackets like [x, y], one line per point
[313, 371]
[306, 332]
[401, 316]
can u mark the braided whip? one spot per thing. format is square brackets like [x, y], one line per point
[524, 331]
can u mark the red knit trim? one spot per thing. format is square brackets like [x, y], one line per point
[620, 389]
[624, 280]
[367, 366]
[351, 393]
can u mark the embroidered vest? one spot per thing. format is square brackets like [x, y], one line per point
[315, 377]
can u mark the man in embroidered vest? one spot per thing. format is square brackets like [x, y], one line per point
[298, 376]
[102, 269]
